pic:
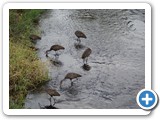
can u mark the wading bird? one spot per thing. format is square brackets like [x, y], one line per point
[70, 76]
[86, 54]
[52, 92]
[80, 34]
[34, 48]
[34, 37]
[55, 48]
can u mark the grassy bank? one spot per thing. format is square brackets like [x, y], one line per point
[26, 72]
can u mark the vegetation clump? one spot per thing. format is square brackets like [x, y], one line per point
[26, 71]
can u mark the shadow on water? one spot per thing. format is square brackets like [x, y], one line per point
[55, 62]
[47, 107]
[86, 67]
[79, 46]
[72, 91]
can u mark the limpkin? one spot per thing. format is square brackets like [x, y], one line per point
[79, 35]
[86, 54]
[55, 48]
[70, 76]
[34, 37]
[52, 92]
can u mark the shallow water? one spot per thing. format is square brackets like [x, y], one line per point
[117, 62]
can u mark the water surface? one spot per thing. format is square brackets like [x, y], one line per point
[117, 62]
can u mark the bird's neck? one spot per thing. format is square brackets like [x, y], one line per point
[47, 51]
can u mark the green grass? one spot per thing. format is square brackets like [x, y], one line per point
[26, 71]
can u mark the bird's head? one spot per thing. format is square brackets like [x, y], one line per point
[63, 48]
[79, 75]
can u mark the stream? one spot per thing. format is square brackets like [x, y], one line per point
[117, 61]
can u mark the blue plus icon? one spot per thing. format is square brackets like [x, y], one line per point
[147, 99]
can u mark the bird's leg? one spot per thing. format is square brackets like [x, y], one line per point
[56, 58]
[41, 107]
[79, 41]
[56, 55]
[86, 60]
[54, 102]
[50, 100]
[71, 83]
[61, 83]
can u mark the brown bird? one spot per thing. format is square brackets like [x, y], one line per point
[70, 76]
[34, 37]
[36, 21]
[86, 54]
[52, 92]
[80, 34]
[34, 48]
[55, 48]
[20, 10]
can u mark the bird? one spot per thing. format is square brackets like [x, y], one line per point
[80, 34]
[34, 48]
[19, 12]
[52, 92]
[34, 37]
[86, 54]
[70, 76]
[55, 48]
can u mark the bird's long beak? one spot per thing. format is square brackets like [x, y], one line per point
[61, 83]
[47, 53]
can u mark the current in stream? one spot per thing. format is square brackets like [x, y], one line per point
[117, 61]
